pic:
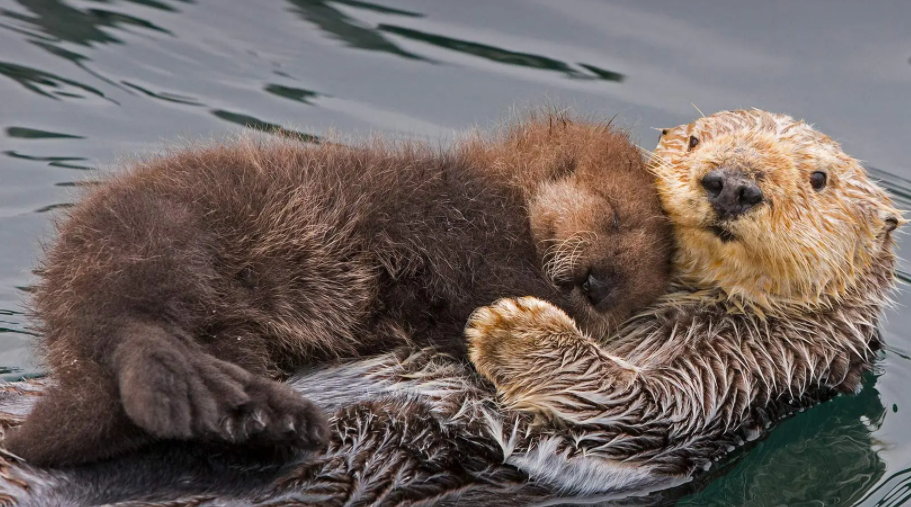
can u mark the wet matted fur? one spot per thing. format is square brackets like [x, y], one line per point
[179, 288]
[408, 428]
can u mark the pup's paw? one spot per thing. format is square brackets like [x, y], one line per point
[194, 396]
[507, 338]
[277, 414]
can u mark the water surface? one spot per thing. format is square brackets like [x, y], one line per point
[83, 83]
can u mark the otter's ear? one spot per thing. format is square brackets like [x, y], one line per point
[893, 221]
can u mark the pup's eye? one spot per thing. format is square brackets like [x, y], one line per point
[694, 141]
[818, 180]
[566, 281]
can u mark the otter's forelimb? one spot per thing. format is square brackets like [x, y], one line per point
[668, 399]
[540, 362]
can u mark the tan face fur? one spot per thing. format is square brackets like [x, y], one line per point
[802, 243]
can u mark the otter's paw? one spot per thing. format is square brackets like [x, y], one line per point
[508, 337]
[197, 396]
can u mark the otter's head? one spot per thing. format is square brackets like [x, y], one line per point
[770, 210]
[601, 235]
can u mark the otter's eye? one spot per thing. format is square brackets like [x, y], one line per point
[818, 180]
[694, 142]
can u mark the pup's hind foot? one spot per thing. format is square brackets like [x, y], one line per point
[173, 392]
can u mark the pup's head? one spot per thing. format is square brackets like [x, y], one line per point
[601, 234]
[770, 210]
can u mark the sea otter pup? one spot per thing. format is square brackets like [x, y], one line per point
[784, 261]
[178, 288]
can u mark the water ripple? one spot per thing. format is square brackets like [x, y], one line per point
[84, 27]
[894, 491]
[47, 84]
[166, 96]
[295, 94]
[500, 55]
[30, 133]
[899, 187]
[255, 123]
[52, 161]
[339, 26]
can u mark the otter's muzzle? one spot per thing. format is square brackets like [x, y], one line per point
[731, 193]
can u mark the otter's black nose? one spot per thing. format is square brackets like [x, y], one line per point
[597, 291]
[731, 193]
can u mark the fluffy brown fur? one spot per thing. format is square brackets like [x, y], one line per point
[180, 288]
[776, 303]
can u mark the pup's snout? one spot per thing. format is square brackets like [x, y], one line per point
[597, 291]
[731, 193]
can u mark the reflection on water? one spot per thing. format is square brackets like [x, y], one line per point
[59, 23]
[170, 97]
[894, 491]
[84, 27]
[52, 161]
[86, 81]
[899, 188]
[248, 121]
[46, 83]
[27, 133]
[337, 25]
[500, 55]
[288, 92]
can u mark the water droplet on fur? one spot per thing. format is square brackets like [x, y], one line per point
[751, 434]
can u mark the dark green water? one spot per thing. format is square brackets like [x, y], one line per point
[85, 82]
